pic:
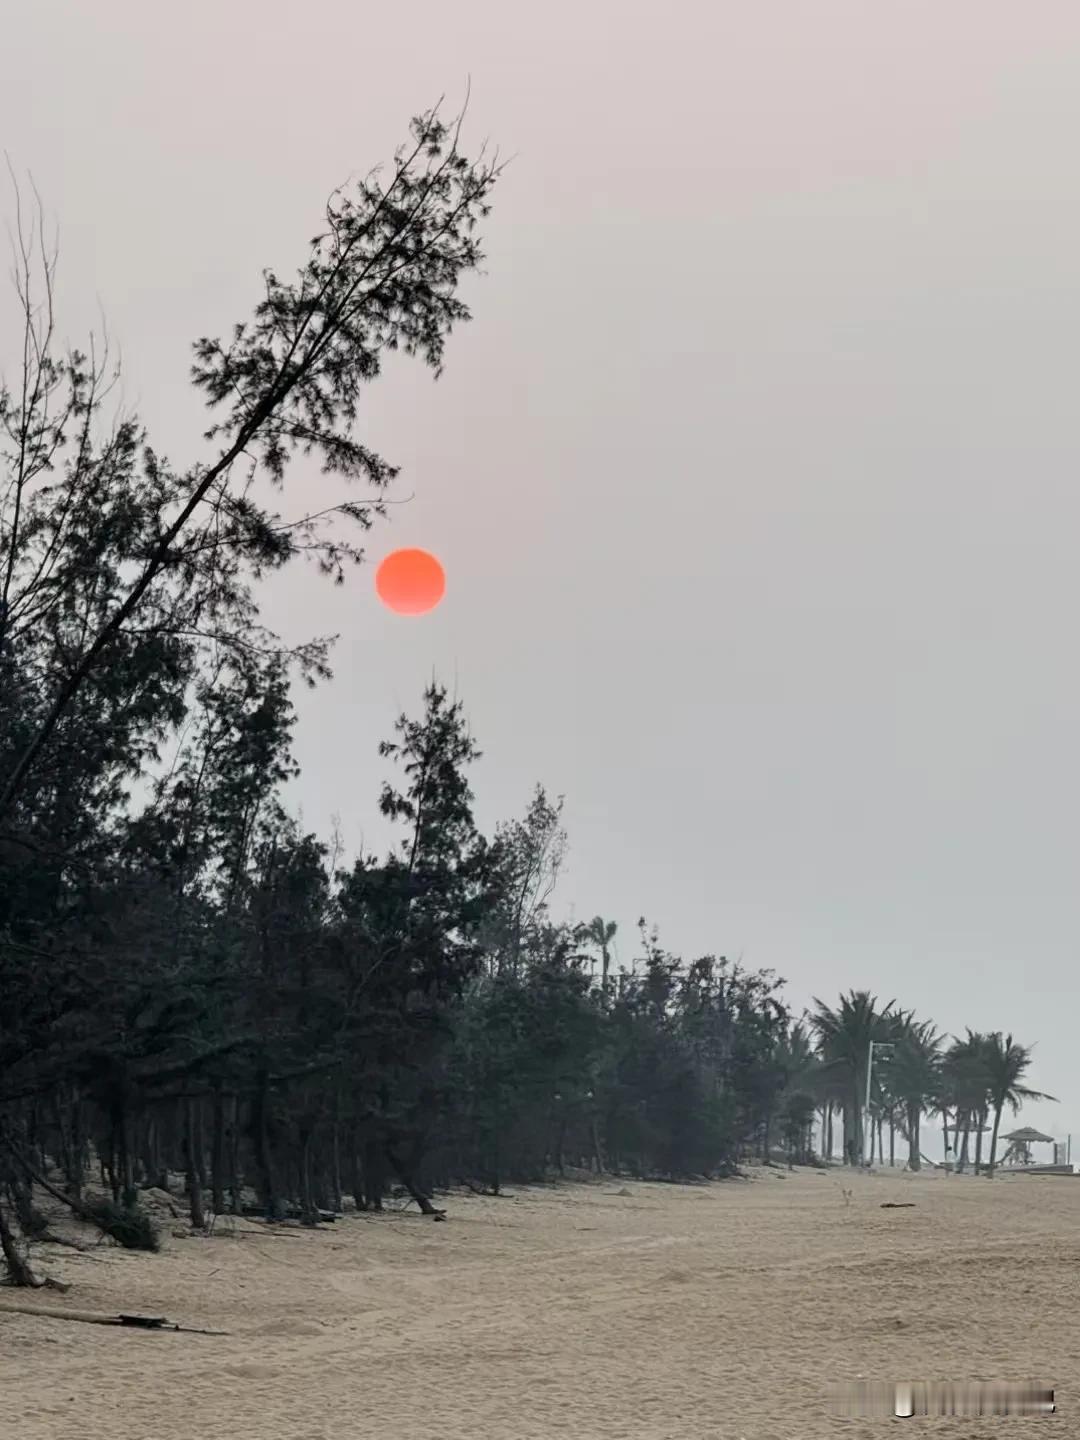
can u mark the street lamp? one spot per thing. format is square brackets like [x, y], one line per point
[879, 1045]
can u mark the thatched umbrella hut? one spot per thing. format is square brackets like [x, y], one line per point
[1020, 1143]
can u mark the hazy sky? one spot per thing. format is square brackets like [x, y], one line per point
[755, 476]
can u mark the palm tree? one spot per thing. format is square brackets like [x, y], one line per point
[601, 933]
[844, 1037]
[834, 1091]
[913, 1078]
[966, 1086]
[801, 1087]
[1007, 1063]
[987, 1049]
[798, 1118]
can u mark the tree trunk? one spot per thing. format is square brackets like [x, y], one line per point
[335, 1160]
[496, 1157]
[164, 1129]
[852, 1133]
[198, 1143]
[233, 1153]
[32, 1222]
[597, 1152]
[217, 1152]
[192, 1179]
[998, 1107]
[309, 1212]
[18, 1266]
[403, 1173]
[78, 1144]
[374, 1174]
[150, 1151]
[356, 1175]
[961, 1163]
[67, 1157]
[110, 1174]
[123, 1174]
[860, 1121]
[914, 1116]
[264, 1164]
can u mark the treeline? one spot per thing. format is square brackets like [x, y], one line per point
[217, 996]
[190, 984]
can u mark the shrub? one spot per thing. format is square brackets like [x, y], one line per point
[128, 1225]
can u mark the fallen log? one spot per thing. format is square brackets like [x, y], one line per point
[141, 1322]
[290, 1212]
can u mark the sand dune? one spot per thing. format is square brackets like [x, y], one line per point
[666, 1313]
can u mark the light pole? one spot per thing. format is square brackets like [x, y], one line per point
[880, 1045]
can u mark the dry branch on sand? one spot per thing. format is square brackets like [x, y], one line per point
[133, 1322]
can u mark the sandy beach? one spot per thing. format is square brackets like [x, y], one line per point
[667, 1311]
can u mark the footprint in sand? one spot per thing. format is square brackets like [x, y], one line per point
[290, 1329]
[252, 1372]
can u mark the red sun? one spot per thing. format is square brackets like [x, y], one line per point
[410, 582]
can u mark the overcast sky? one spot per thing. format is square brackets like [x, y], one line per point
[755, 476]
